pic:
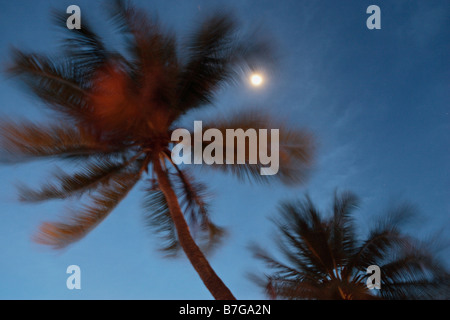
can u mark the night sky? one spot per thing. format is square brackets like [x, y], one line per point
[377, 102]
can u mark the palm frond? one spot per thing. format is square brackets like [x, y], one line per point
[385, 237]
[296, 148]
[158, 219]
[415, 265]
[375, 248]
[437, 288]
[82, 46]
[284, 281]
[305, 237]
[192, 197]
[148, 42]
[149, 45]
[57, 82]
[90, 176]
[214, 56]
[280, 269]
[29, 141]
[77, 224]
[343, 233]
[208, 61]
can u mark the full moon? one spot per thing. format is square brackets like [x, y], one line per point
[256, 80]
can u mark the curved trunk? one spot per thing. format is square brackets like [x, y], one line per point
[214, 284]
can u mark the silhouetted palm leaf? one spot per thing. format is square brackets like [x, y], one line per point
[216, 56]
[208, 61]
[159, 221]
[343, 237]
[414, 274]
[28, 141]
[46, 76]
[91, 176]
[82, 46]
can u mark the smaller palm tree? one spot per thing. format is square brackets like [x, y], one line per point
[327, 261]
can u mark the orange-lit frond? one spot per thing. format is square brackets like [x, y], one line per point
[76, 225]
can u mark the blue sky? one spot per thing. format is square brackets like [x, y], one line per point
[377, 101]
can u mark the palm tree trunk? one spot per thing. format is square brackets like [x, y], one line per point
[198, 260]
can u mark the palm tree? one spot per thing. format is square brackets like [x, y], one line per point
[326, 259]
[115, 113]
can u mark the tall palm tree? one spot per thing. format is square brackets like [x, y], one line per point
[115, 114]
[326, 259]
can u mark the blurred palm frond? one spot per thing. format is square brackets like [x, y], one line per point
[79, 223]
